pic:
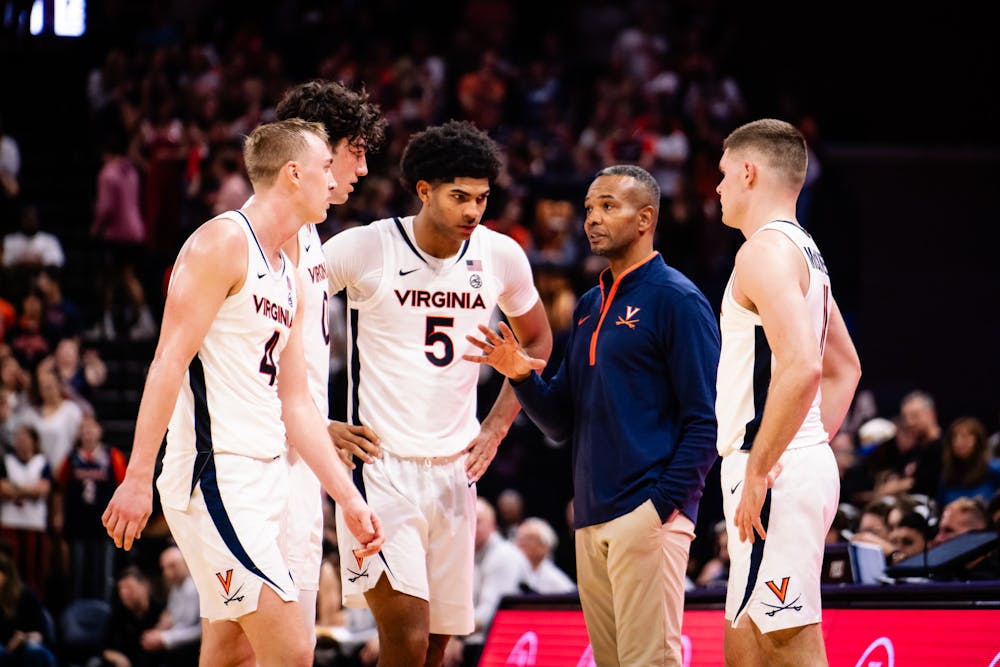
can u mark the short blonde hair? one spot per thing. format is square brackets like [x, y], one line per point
[780, 144]
[273, 145]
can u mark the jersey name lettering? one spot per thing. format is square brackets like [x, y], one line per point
[816, 260]
[318, 272]
[272, 311]
[425, 299]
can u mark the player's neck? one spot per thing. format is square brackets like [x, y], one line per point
[291, 248]
[274, 224]
[768, 208]
[758, 221]
[432, 243]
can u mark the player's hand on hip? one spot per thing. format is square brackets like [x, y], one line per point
[351, 441]
[503, 352]
[481, 452]
[128, 511]
[365, 525]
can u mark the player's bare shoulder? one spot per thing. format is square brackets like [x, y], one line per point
[766, 252]
[217, 246]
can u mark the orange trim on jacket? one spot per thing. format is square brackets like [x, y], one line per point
[606, 303]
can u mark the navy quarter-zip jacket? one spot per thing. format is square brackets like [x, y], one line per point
[634, 394]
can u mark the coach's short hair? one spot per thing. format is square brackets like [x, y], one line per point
[645, 180]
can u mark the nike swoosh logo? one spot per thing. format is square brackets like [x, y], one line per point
[406, 273]
[471, 483]
[306, 248]
[261, 275]
[582, 320]
[735, 486]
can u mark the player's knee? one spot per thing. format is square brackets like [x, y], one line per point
[408, 644]
[301, 657]
[777, 641]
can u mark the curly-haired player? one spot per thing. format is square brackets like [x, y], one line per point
[355, 125]
[416, 286]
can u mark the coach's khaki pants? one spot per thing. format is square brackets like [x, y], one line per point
[630, 572]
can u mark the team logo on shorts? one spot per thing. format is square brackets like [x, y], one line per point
[781, 592]
[354, 576]
[227, 582]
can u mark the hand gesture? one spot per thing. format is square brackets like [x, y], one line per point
[504, 353]
[352, 441]
[128, 511]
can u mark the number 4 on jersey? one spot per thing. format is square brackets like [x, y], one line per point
[267, 365]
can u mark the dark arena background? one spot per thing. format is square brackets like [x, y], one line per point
[898, 107]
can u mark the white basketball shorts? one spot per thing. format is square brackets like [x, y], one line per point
[428, 511]
[230, 534]
[777, 581]
[304, 523]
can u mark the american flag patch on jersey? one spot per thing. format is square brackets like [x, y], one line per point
[473, 265]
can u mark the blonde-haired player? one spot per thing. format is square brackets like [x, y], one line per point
[787, 374]
[229, 376]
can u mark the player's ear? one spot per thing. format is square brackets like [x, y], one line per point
[749, 173]
[291, 171]
[423, 189]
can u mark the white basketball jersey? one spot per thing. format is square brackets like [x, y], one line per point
[746, 362]
[314, 313]
[228, 403]
[407, 325]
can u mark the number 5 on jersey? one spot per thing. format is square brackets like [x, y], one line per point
[433, 336]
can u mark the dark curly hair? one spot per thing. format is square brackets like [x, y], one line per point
[457, 149]
[345, 113]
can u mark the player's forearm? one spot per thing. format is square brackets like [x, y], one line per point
[788, 400]
[306, 432]
[838, 392]
[503, 412]
[159, 396]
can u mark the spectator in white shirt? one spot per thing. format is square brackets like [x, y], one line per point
[32, 248]
[537, 541]
[56, 418]
[178, 632]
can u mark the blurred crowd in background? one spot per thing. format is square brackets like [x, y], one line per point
[168, 97]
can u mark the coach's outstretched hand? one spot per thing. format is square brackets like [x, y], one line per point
[504, 353]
